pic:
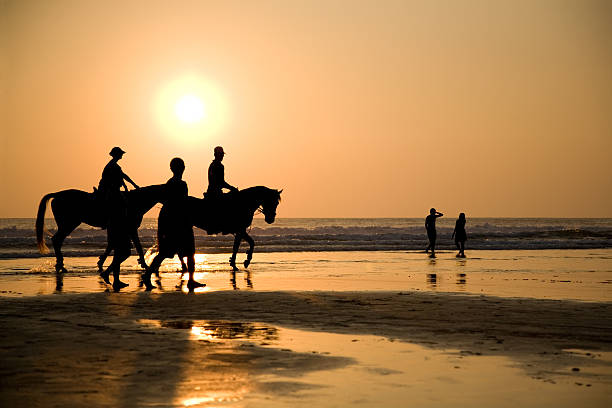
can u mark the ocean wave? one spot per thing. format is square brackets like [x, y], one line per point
[322, 235]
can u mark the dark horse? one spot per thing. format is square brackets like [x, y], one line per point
[235, 214]
[232, 215]
[73, 207]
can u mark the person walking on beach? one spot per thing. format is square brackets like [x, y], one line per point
[216, 176]
[430, 226]
[174, 229]
[460, 235]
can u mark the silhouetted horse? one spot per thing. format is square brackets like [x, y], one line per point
[234, 214]
[73, 207]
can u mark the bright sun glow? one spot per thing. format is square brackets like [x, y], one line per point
[189, 109]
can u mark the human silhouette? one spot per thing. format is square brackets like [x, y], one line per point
[113, 178]
[115, 203]
[174, 228]
[216, 177]
[116, 206]
[460, 235]
[430, 226]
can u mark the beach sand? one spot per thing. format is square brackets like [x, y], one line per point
[253, 348]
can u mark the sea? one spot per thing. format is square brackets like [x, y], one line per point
[18, 237]
[550, 258]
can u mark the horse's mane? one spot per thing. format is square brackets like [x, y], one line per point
[256, 189]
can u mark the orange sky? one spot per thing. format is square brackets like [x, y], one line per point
[355, 108]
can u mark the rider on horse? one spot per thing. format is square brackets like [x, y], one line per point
[115, 202]
[113, 179]
[216, 177]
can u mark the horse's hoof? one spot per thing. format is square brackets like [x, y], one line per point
[105, 278]
[247, 263]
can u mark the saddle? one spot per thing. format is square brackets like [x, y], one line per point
[220, 210]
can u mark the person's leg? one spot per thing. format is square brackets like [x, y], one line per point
[191, 284]
[433, 244]
[118, 258]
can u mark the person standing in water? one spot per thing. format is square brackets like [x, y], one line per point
[430, 226]
[174, 229]
[460, 235]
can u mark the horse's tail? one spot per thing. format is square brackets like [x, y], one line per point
[40, 223]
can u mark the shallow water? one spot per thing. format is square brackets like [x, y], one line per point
[551, 274]
[368, 371]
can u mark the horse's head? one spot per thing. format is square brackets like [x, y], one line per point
[270, 202]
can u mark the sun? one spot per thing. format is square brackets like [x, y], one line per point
[189, 109]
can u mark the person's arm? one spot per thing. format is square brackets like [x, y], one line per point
[439, 214]
[229, 186]
[224, 183]
[455, 229]
[126, 177]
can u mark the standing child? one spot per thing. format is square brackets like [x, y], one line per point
[430, 226]
[460, 235]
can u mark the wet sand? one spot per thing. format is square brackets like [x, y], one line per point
[543, 274]
[176, 349]
[508, 328]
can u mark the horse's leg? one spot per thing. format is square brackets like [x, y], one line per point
[237, 240]
[105, 274]
[141, 258]
[58, 239]
[249, 252]
[103, 257]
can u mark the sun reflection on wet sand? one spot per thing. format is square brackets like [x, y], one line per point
[383, 372]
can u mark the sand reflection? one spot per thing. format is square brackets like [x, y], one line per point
[229, 362]
[236, 363]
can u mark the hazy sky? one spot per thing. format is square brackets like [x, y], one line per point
[356, 108]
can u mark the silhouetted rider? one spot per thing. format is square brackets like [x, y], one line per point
[112, 176]
[216, 176]
[110, 190]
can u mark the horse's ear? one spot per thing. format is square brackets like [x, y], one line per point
[280, 191]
